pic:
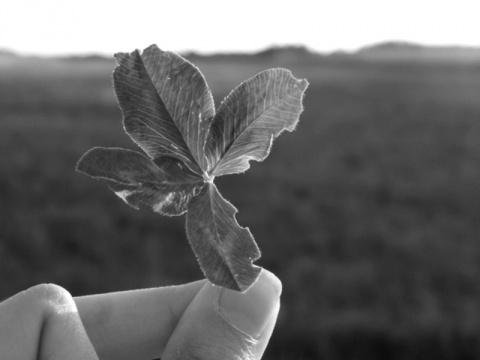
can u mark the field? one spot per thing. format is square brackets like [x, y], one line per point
[369, 212]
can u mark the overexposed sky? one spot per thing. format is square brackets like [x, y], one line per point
[59, 27]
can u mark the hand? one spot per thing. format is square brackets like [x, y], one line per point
[191, 321]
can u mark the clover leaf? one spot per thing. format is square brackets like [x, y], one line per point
[168, 111]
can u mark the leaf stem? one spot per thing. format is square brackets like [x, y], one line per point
[208, 178]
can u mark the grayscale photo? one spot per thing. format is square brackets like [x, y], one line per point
[214, 180]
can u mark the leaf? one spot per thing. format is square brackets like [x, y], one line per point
[166, 103]
[250, 118]
[224, 250]
[166, 184]
[168, 111]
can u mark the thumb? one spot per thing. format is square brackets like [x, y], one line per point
[224, 324]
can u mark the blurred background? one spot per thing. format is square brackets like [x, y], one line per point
[369, 212]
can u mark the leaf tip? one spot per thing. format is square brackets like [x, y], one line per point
[82, 165]
[303, 84]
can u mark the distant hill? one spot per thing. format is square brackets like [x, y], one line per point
[387, 51]
[7, 56]
[282, 54]
[7, 53]
[405, 51]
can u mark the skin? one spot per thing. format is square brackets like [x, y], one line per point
[190, 321]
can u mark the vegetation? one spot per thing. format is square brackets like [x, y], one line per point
[369, 211]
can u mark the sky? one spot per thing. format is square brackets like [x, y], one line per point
[61, 27]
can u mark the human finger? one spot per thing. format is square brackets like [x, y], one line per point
[134, 324]
[223, 324]
[43, 323]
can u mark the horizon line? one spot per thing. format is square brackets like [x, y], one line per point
[299, 46]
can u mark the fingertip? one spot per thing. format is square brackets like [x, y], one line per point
[225, 324]
[250, 311]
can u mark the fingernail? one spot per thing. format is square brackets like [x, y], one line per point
[250, 311]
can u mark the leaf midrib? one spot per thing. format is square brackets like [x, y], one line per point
[211, 189]
[160, 97]
[210, 195]
[243, 131]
